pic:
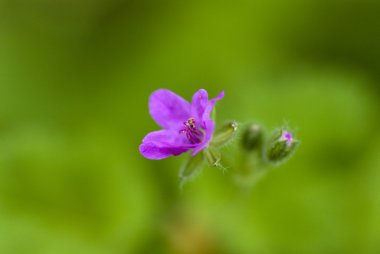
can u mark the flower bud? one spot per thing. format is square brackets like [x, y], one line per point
[252, 137]
[281, 146]
[224, 134]
[212, 156]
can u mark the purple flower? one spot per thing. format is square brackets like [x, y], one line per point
[185, 125]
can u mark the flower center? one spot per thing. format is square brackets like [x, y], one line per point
[193, 134]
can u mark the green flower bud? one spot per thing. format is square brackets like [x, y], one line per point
[252, 137]
[224, 134]
[281, 146]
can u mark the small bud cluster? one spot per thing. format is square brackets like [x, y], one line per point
[277, 149]
[257, 152]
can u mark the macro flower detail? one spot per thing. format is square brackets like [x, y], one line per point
[185, 126]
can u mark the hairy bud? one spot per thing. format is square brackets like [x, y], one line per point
[281, 146]
[224, 134]
[252, 137]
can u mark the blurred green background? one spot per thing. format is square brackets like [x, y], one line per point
[75, 77]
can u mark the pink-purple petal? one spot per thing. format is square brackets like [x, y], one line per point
[210, 106]
[198, 104]
[168, 109]
[163, 143]
[207, 123]
[153, 152]
[209, 130]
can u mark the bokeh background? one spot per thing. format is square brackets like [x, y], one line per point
[75, 77]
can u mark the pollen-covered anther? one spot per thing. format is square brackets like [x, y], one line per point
[190, 123]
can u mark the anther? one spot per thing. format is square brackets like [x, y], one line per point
[193, 134]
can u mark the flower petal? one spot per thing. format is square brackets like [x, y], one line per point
[210, 107]
[209, 129]
[168, 109]
[207, 123]
[198, 104]
[163, 143]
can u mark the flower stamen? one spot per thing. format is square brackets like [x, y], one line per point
[193, 134]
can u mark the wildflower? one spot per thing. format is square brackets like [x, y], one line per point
[186, 126]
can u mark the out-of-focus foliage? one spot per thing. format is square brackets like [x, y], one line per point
[75, 76]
